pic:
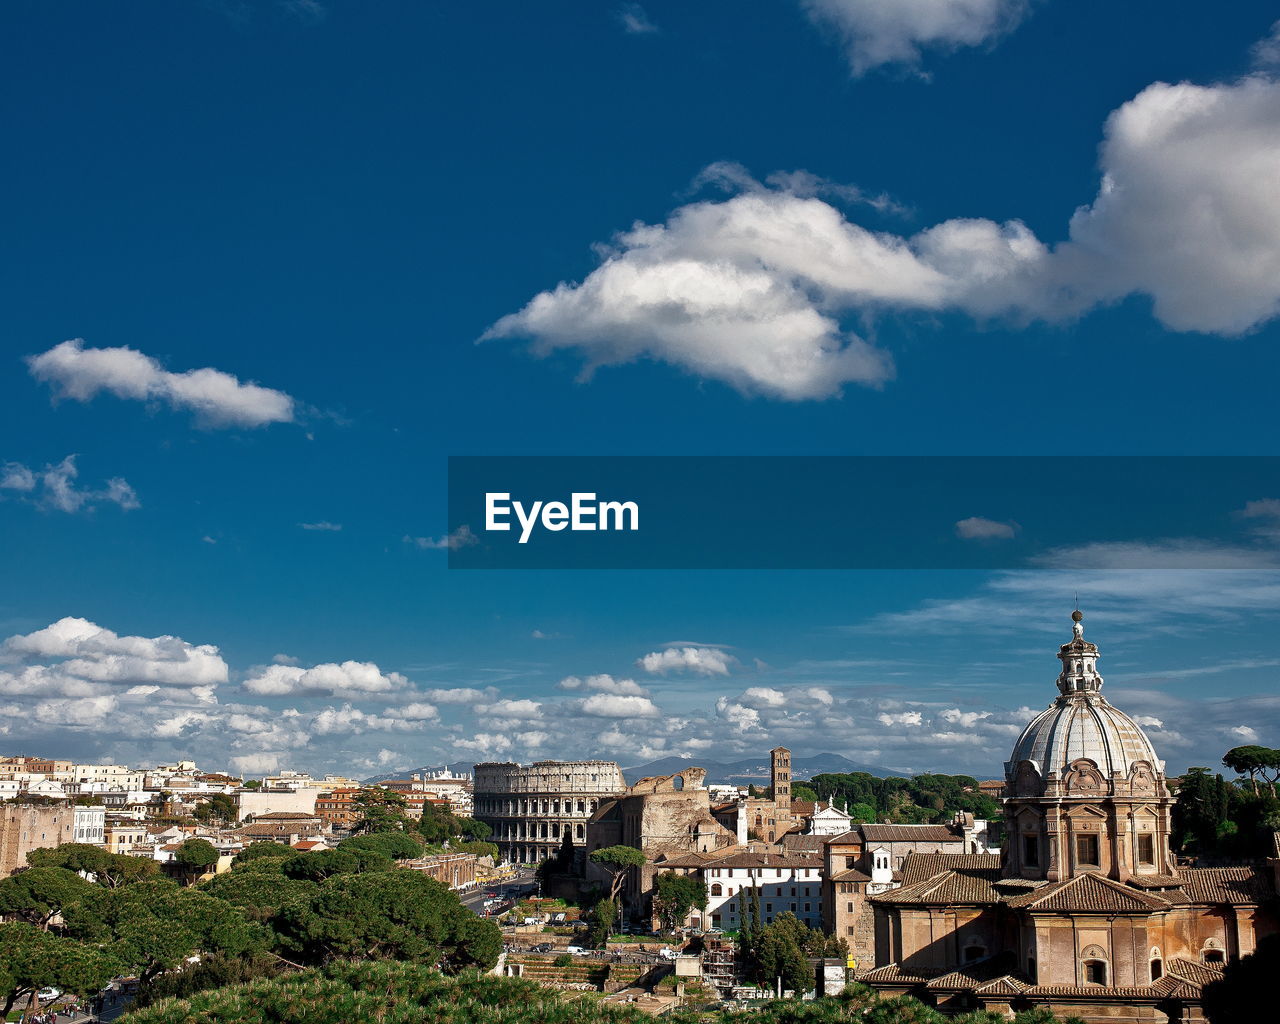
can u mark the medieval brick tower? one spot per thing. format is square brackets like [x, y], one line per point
[781, 778]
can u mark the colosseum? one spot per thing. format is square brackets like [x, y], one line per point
[531, 807]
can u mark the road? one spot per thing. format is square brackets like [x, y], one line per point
[512, 887]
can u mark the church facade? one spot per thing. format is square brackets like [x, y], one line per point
[1085, 911]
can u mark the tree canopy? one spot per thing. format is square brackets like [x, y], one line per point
[676, 896]
[399, 915]
[108, 869]
[617, 860]
[35, 959]
[38, 895]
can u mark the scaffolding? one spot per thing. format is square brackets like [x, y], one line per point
[720, 964]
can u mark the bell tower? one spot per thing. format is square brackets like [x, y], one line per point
[781, 778]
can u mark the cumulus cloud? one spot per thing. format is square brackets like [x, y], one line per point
[700, 661]
[418, 711]
[1245, 732]
[78, 658]
[462, 537]
[348, 719]
[965, 719]
[518, 710]
[604, 684]
[216, 398]
[55, 487]
[460, 695]
[1266, 51]
[737, 715]
[256, 764]
[880, 32]
[752, 289]
[977, 528]
[348, 679]
[609, 705]
[908, 718]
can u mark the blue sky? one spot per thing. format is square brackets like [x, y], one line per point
[991, 232]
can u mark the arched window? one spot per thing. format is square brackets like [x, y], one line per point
[716, 889]
[1095, 972]
[1157, 970]
[1213, 956]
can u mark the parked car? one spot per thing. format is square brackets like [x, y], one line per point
[543, 947]
[46, 994]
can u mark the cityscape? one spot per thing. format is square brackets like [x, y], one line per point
[639, 511]
[1082, 881]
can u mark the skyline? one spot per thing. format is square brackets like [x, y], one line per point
[269, 265]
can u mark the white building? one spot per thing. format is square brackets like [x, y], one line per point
[784, 883]
[828, 821]
[90, 825]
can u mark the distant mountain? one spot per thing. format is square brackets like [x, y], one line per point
[755, 769]
[728, 773]
[457, 767]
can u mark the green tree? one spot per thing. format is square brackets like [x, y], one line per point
[219, 807]
[110, 870]
[1200, 814]
[322, 864]
[401, 915]
[194, 858]
[800, 791]
[618, 861]
[676, 895]
[38, 895]
[154, 926]
[263, 851]
[600, 923]
[394, 845]
[480, 849]
[1254, 761]
[259, 895]
[381, 810]
[34, 959]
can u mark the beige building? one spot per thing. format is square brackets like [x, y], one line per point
[530, 808]
[257, 802]
[24, 827]
[1087, 913]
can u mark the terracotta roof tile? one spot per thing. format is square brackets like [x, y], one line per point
[910, 834]
[895, 975]
[1238, 886]
[1088, 892]
[1192, 971]
[919, 866]
[967, 886]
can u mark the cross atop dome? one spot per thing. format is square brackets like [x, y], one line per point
[1079, 661]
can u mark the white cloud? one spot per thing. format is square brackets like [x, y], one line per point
[17, 477]
[966, 719]
[417, 711]
[635, 21]
[349, 679]
[752, 289]
[608, 705]
[218, 399]
[462, 537]
[57, 487]
[1149, 721]
[1244, 732]
[323, 525]
[512, 709]
[762, 697]
[738, 715]
[460, 695]
[486, 743]
[604, 683]
[76, 657]
[880, 32]
[977, 528]
[256, 764]
[701, 661]
[348, 719]
[1266, 51]
[908, 718]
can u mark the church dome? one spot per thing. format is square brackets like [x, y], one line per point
[1081, 726]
